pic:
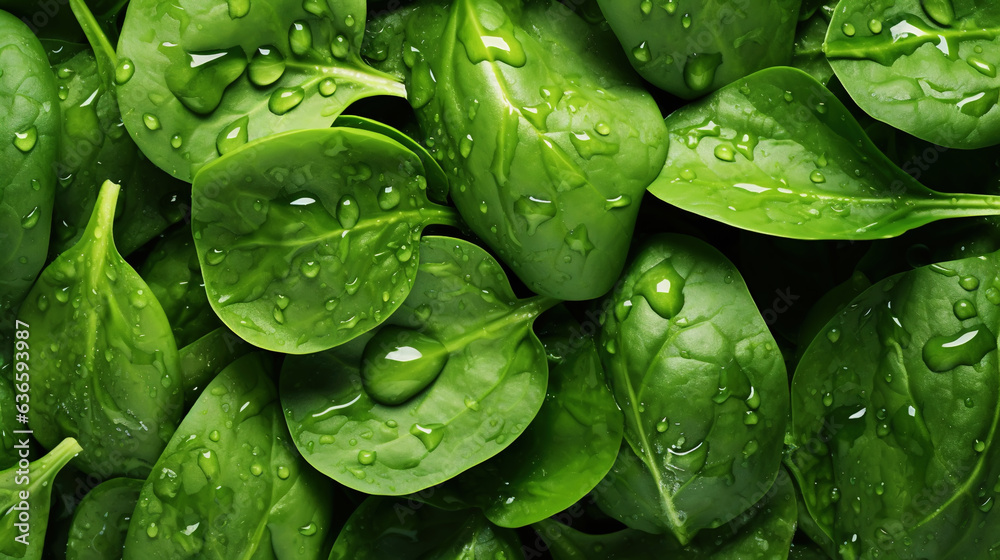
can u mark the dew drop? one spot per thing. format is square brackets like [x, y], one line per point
[124, 71]
[284, 100]
[266, 67]
[26, 140]
[348, 212]
[662, 288]
[399, 363]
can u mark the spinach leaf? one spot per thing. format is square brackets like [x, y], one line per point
[174, 276]
[25, 491]
[565, 451]
[548, 147]
[29, 121]
[763, 532]
[694, 48]
[197, 80]
[101, 520]
[94, 147]
[703, 388]
[452, 379]
[437, 181]
[308, 239]
[895, 416]
[105, 370]
[927, 67]
[807, 53]
[230, 484]
[204, 358]
[384, 528]
[777, 153]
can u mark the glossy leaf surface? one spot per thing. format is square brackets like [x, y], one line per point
[778, 154]
[95, 147]
[173, 274]
[310, 238]
[928, 67]
[383, 528]
[694, 48]
[703, 387]
[204, 77]
[105, 370]
[915, 400]
[101, 520]
[548, 148]
[230, 484]
[29, 124]
[763, 532]
[565, 451]
[30, 495]
[464, 333]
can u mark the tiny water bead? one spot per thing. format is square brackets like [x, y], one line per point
[399, 363]
[151, 121]
[233, 136]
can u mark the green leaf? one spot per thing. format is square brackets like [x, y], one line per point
[25, 493]
[691, 49]
[763, 532]
[101, 520]
[455, 375]
[94, 147]
[565, 451]
[230, 484]
[437, 181]
[104, 364]
[174, 276]
[383, 528]
[308, 239]
[895, 416]
[807, 54]
[204, 358]
[703, 387]
[924, 66]
[548, 146]
[205, 79]
[778, 154]
[29, 124]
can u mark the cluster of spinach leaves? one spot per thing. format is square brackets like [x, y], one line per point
[342, 279]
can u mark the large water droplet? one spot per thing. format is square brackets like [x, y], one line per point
[238, 8]
[699, 70]
[200, 79]
[348, 211]
[300, 38]
[579, 240]
[941, 11]
[399, 363]
[267, 66]
[25, 141]
[429, 434]
[124, 71]
[535, 211]
[388, 198]
[662, 288]
[233, 136]
[967, 347]
[284, 100]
